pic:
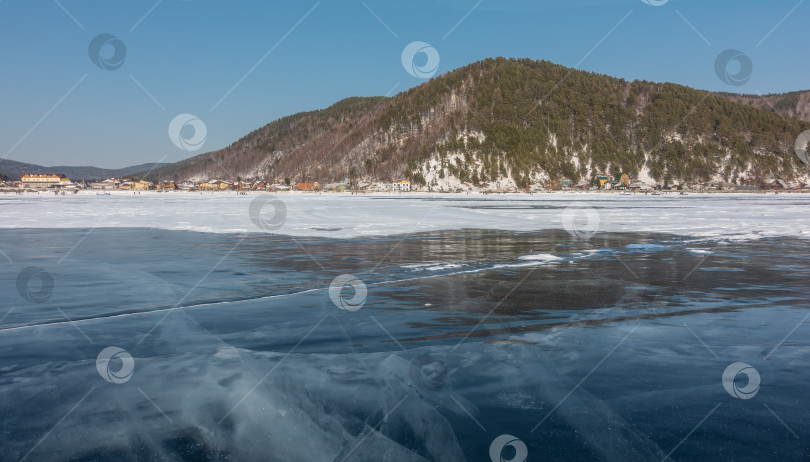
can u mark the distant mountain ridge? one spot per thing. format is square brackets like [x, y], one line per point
[511, 123]
[14, 170]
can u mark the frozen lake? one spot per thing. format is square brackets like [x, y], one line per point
[341, 215]
[422, 328]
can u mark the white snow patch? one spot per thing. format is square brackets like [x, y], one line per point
[539, 257]
[704, 216]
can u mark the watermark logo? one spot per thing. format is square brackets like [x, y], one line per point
[581, 222]
[724, 67]
[649, 303]
[428, 373]
[735, 370]
[184, 141]
[28, 289]
[654, 2]
[100, 48]
[342, 286]
[426, 70]
[103, 364]
[801, 147]
[272, 223]
[496, 449]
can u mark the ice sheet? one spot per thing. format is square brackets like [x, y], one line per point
[711, 216]
[607, 349]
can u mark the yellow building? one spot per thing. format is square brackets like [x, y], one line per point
[601, 180]
[402, 185]
[45, 180]
[214, 185]
[136, 185]
[141, 185]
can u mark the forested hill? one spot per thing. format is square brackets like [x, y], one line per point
[794, 104]
[517, 122]
[13, 170]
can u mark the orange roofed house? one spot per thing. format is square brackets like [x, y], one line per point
[307, 186]
[402, 185]
[45, 180]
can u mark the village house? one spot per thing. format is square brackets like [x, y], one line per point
[107, 184]
[307, 186]
[602, 181]
[336, 187]
[136, 185]
[621, 181]
[772, 184]
[45, 180]
[214, 185]
[141, 185]
[401, 185]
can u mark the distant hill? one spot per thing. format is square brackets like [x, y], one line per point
[14, 170]
[514, 123]
[795, 104]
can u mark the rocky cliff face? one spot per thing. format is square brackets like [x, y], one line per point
[505, 123]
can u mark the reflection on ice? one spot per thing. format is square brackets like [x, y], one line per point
[608, 349]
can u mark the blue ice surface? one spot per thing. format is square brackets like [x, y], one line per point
[614, 352]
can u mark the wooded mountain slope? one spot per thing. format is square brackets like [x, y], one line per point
[520, 121]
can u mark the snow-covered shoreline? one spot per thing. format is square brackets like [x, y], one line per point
[714, 216]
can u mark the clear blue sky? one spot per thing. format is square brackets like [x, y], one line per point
[189, 54]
